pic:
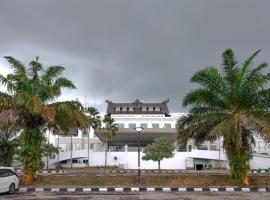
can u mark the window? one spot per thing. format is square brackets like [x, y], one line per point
[120, 125]
[124, 109]
[156, 125]
[150, 109]
[84, 133]
[202, 146]
[75, 146]
[75, 161]
[91, 146]
[63, 162]
[85, 161]
[144, 125]
[132, 125]
[63, 147]
[189, 148]
[131, 109]
[213, 147]
[167, 125]
[143, 108]
[157, 109]
[117, 109]
[75, 133]
[6, 172]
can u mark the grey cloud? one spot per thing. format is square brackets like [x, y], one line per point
[123, 50]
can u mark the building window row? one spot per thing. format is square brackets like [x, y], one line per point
[144, 125]
[143, 108]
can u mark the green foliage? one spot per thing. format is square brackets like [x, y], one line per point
[161, 148]
[31, 151]
[48, 149]
[8, 141]
[110, 127]
[232, 103]
[94, 118]
[30, 99]
[109, 132]
[239, 168]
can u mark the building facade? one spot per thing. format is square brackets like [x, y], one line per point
[156, 121]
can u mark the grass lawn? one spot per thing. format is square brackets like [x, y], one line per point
[147, 181]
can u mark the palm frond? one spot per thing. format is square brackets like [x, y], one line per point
[52, 73]
[17, 66]
[64, 83]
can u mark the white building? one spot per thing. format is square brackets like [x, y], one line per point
[157, 121]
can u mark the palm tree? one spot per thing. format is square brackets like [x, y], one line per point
[233, 104]
[109, 132]
[8, 142]
[94, 121]
[31, 96]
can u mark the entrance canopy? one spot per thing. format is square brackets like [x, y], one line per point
[130, 136]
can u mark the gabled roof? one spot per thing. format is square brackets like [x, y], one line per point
[138, 107]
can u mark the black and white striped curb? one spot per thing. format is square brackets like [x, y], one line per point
[143, 171]
[179, 171]
[44, 171]
[145, 189]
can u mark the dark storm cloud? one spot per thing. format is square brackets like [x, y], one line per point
[123, 50]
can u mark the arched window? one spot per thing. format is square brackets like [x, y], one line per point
[157, 109]
[124, 109]
[117, 109]
[143, 108]
[150, 109]
[131, 109]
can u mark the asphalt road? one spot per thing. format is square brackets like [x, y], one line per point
[135, 196]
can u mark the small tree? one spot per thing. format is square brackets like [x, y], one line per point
[110, 132]
[161, 148]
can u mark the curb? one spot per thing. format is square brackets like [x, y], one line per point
[177, 171]
[45, 172]
[145, 189]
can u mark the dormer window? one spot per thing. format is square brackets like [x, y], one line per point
[117, 109]
[157, 109]
[124, 109]
[143, 108]
[150, 109]
[131, 109]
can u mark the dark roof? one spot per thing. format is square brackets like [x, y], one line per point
[130, 136]
[137, 107]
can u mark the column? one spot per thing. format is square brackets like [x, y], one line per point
[126, 156]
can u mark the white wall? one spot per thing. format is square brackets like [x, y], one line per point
[260, 162]
[129, 160]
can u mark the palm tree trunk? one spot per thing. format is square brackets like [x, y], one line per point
[47, 152]
[58, 150]
[159, 165]
[71, 151]
[88, 148]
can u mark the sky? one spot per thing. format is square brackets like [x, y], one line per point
[124, 50]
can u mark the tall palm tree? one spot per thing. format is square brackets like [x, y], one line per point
[94, 121]
[233, 104]
[109, 132]
[31, 95]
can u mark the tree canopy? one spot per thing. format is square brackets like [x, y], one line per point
[31, 100]
[161, 148]
[232, 103]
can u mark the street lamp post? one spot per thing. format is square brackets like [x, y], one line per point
[139, 131]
